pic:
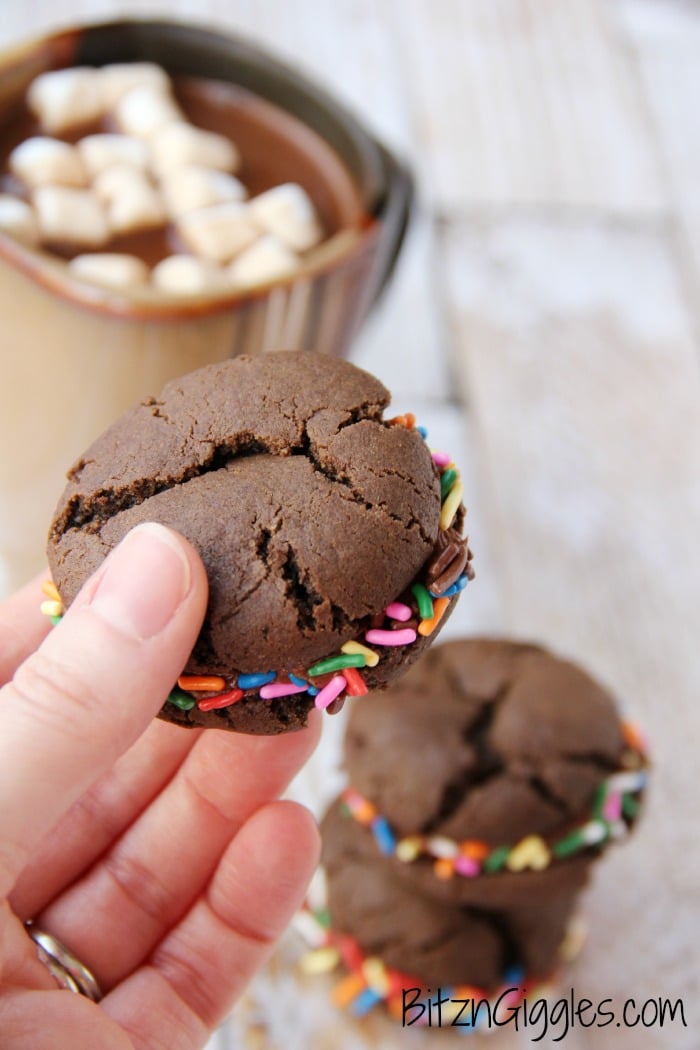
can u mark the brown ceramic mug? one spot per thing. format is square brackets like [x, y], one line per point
[76, 355]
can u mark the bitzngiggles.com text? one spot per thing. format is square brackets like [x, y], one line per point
[538, 1017]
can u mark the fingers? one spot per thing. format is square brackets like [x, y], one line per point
[144, 885]
[94, 684]
[200, 969]
[100, 816]
[22, 627]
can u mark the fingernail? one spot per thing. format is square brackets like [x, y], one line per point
[145, 579]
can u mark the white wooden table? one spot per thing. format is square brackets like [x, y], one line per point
[544, 327]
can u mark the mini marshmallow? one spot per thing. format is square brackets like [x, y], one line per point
[186, 189]
[42, 161]
[288, 213]
[179, 144]
[70, 216]
[143, 110]
[132, 201]
[66, 98]
[110, 182]
[102, 151]
[120, 77]
[186, 275]
[219, 232]
[110, 269]
[17, 219]
[266, 260]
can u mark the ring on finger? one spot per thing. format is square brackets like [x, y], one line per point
[63, 965]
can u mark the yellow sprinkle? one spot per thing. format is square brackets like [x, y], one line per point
[322, 960]
[357, 649]
[574, 940]
[451, 505]
[50, 590]
[530, 852]
[409, 848]
[52, 608]
[374, 972]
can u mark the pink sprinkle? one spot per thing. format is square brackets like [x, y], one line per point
[613, 806]
[329, 692]
[398, 611]
[275, 689]
[442, 459]
[404, 637]
[467, 866]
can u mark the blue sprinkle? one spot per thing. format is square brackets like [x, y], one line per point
[423, 432]
[297, 681]
[384, 835]
[364, 1002]
[313, 691]
[254, 681]
[515, 975]
[454, 589]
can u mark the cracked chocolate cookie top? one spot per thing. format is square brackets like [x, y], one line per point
[310, 511]
[511, 741]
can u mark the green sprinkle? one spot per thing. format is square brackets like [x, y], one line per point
[323, 918]
[182, 700]
[55, 620]
[599, 799]
[425, 602]
[337, 663]
[496, 859]
[447, 481]
[570, 844]
[630, 806]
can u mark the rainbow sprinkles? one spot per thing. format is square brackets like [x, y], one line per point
[368, 981]
[413, 615]
[614, 808]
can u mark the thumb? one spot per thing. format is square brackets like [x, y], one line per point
[95, 683]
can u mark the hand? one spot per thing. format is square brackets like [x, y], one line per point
[157, 854]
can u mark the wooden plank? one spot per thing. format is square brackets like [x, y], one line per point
[526, 102]
[576, 355]
[665, 40]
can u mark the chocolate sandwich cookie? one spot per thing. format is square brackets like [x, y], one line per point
[433, 941]
[525, 772]
[331, 536]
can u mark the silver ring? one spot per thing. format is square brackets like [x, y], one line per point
[65, 967]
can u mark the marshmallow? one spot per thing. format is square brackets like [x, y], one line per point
[121, 77]
[143, 110]
[218, 232]
[179, 144]
[110, 269]
[185, 275]
[132, 201]
[102, 151]
[287, 212]
[18, 220]
[43, 161]
[266, 260]
[110, 182]
[186, 189]
[68, 216]
[66, 98]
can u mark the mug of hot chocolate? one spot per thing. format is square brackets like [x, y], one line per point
[169, 197]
